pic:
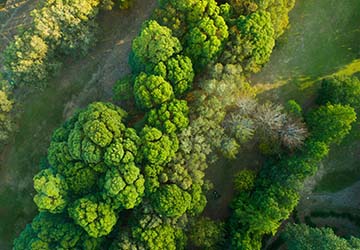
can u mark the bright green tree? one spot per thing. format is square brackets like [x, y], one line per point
[158, 148]
[151, 91]
[171, 117]
[49, 231]
[178, 71]
[171, 201]
[95, 217]
[154, 44]
[51, 191]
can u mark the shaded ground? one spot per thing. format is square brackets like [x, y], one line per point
[79, 82]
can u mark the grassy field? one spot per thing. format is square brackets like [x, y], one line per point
[78, 83]
[323, 40]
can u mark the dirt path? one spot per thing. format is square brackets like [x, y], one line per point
[78, 83]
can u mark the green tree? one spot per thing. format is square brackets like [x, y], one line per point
[171, 201]
[204, 41]
[244, 180]
[154, 44]
[303, 237]
[96, 218]
[178, 71]
[158, 148]
[171, 117]
[206, 234]
[330, 123]
[27, 59]
[229, 148]
[160, 237]
[124, 186]
[49, 231]
[253, 46]
[51, 191]
[340, 90]
[151, 91]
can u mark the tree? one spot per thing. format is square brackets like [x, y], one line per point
[340, 90]
[240, 127]
[171, 117]
[171, 201]
[124, 186]
[154, 44]
[27, 59]
[51, 191]
[253, 45]
[206, 234]
[229, 148]
[330, 123]
[303, 237]
[160, 237]
[292, 107]
[95, 217]
[151, 91]
[157, 148]
[178, 71]
[123, 90]
[49, 231]
[204, 41]
[58, 27]
[244, 180]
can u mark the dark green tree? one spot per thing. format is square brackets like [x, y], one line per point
[206, 234]
[340, 90]
[303, 237]
[330, 123]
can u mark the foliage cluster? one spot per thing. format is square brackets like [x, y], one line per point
[58, 28]
[93, 173]
[275, 193]
[303, 237]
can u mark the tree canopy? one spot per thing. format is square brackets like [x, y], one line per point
[303, 237]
